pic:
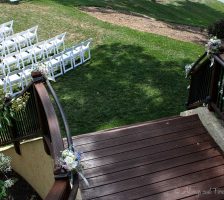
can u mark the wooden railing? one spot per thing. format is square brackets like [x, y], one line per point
[53, 142]
[24, 126]
[200, 79]
[217, 87]
[207, 84]
[40, 119]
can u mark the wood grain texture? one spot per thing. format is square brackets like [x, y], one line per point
[154, 160]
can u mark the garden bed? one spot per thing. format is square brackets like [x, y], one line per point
[21, 190]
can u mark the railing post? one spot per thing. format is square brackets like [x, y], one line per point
[214, 86]
[14, 132]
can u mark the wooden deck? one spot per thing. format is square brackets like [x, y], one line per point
[162, 160]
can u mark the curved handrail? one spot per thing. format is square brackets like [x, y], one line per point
[67, 130]
[61, 188]
[59, 191]
[195, 66]
[219, 60]
[53, 125]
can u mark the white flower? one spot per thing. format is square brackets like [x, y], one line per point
[69, 160]
[64, 153]
[5, 162]
[213, 45]
[188, 69]
[74, 164]
[9, 183]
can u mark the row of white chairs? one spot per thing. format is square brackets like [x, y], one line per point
[54, 66]
[6, 29]
[18, 41]
[66, 60]
[31, 54]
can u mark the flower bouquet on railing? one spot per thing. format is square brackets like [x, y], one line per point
[188, 68]
[213, 46]
[70, 161]
[44, 70]
[9, 106]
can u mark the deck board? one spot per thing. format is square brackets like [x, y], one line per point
[136, 129]
[196, 160]
[149, 137]
[153, 160]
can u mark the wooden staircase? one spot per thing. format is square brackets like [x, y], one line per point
[172, 158]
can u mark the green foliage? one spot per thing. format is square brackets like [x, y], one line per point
[5, 182]
[3, 193]
[10, 106]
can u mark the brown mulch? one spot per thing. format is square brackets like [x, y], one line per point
[147, 24]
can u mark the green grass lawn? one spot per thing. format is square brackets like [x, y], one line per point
[191, 12]
[132, 76]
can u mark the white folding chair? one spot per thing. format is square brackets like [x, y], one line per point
[26, 74]
[67, 60]
[49, 47]
[2, 83]
[37, 50]
[24, 58]
[77, 57]
[6, 28]
[31, 35]
[11, 62]
[14, 83]
[60, 41]
[8, 46]
[86, 55]
[54, 44]
[21, 41]
[54, 66]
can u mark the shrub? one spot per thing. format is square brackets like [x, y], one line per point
[217, 29]
[5, 182]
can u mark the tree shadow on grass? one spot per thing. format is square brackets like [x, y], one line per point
[183, 12]
[121, 85]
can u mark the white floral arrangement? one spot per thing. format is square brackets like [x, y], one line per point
[43, 68]
[71, 162]
[213, 46]
[188, 68]
[5, 182]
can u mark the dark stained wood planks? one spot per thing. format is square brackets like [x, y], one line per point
[154, 160]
